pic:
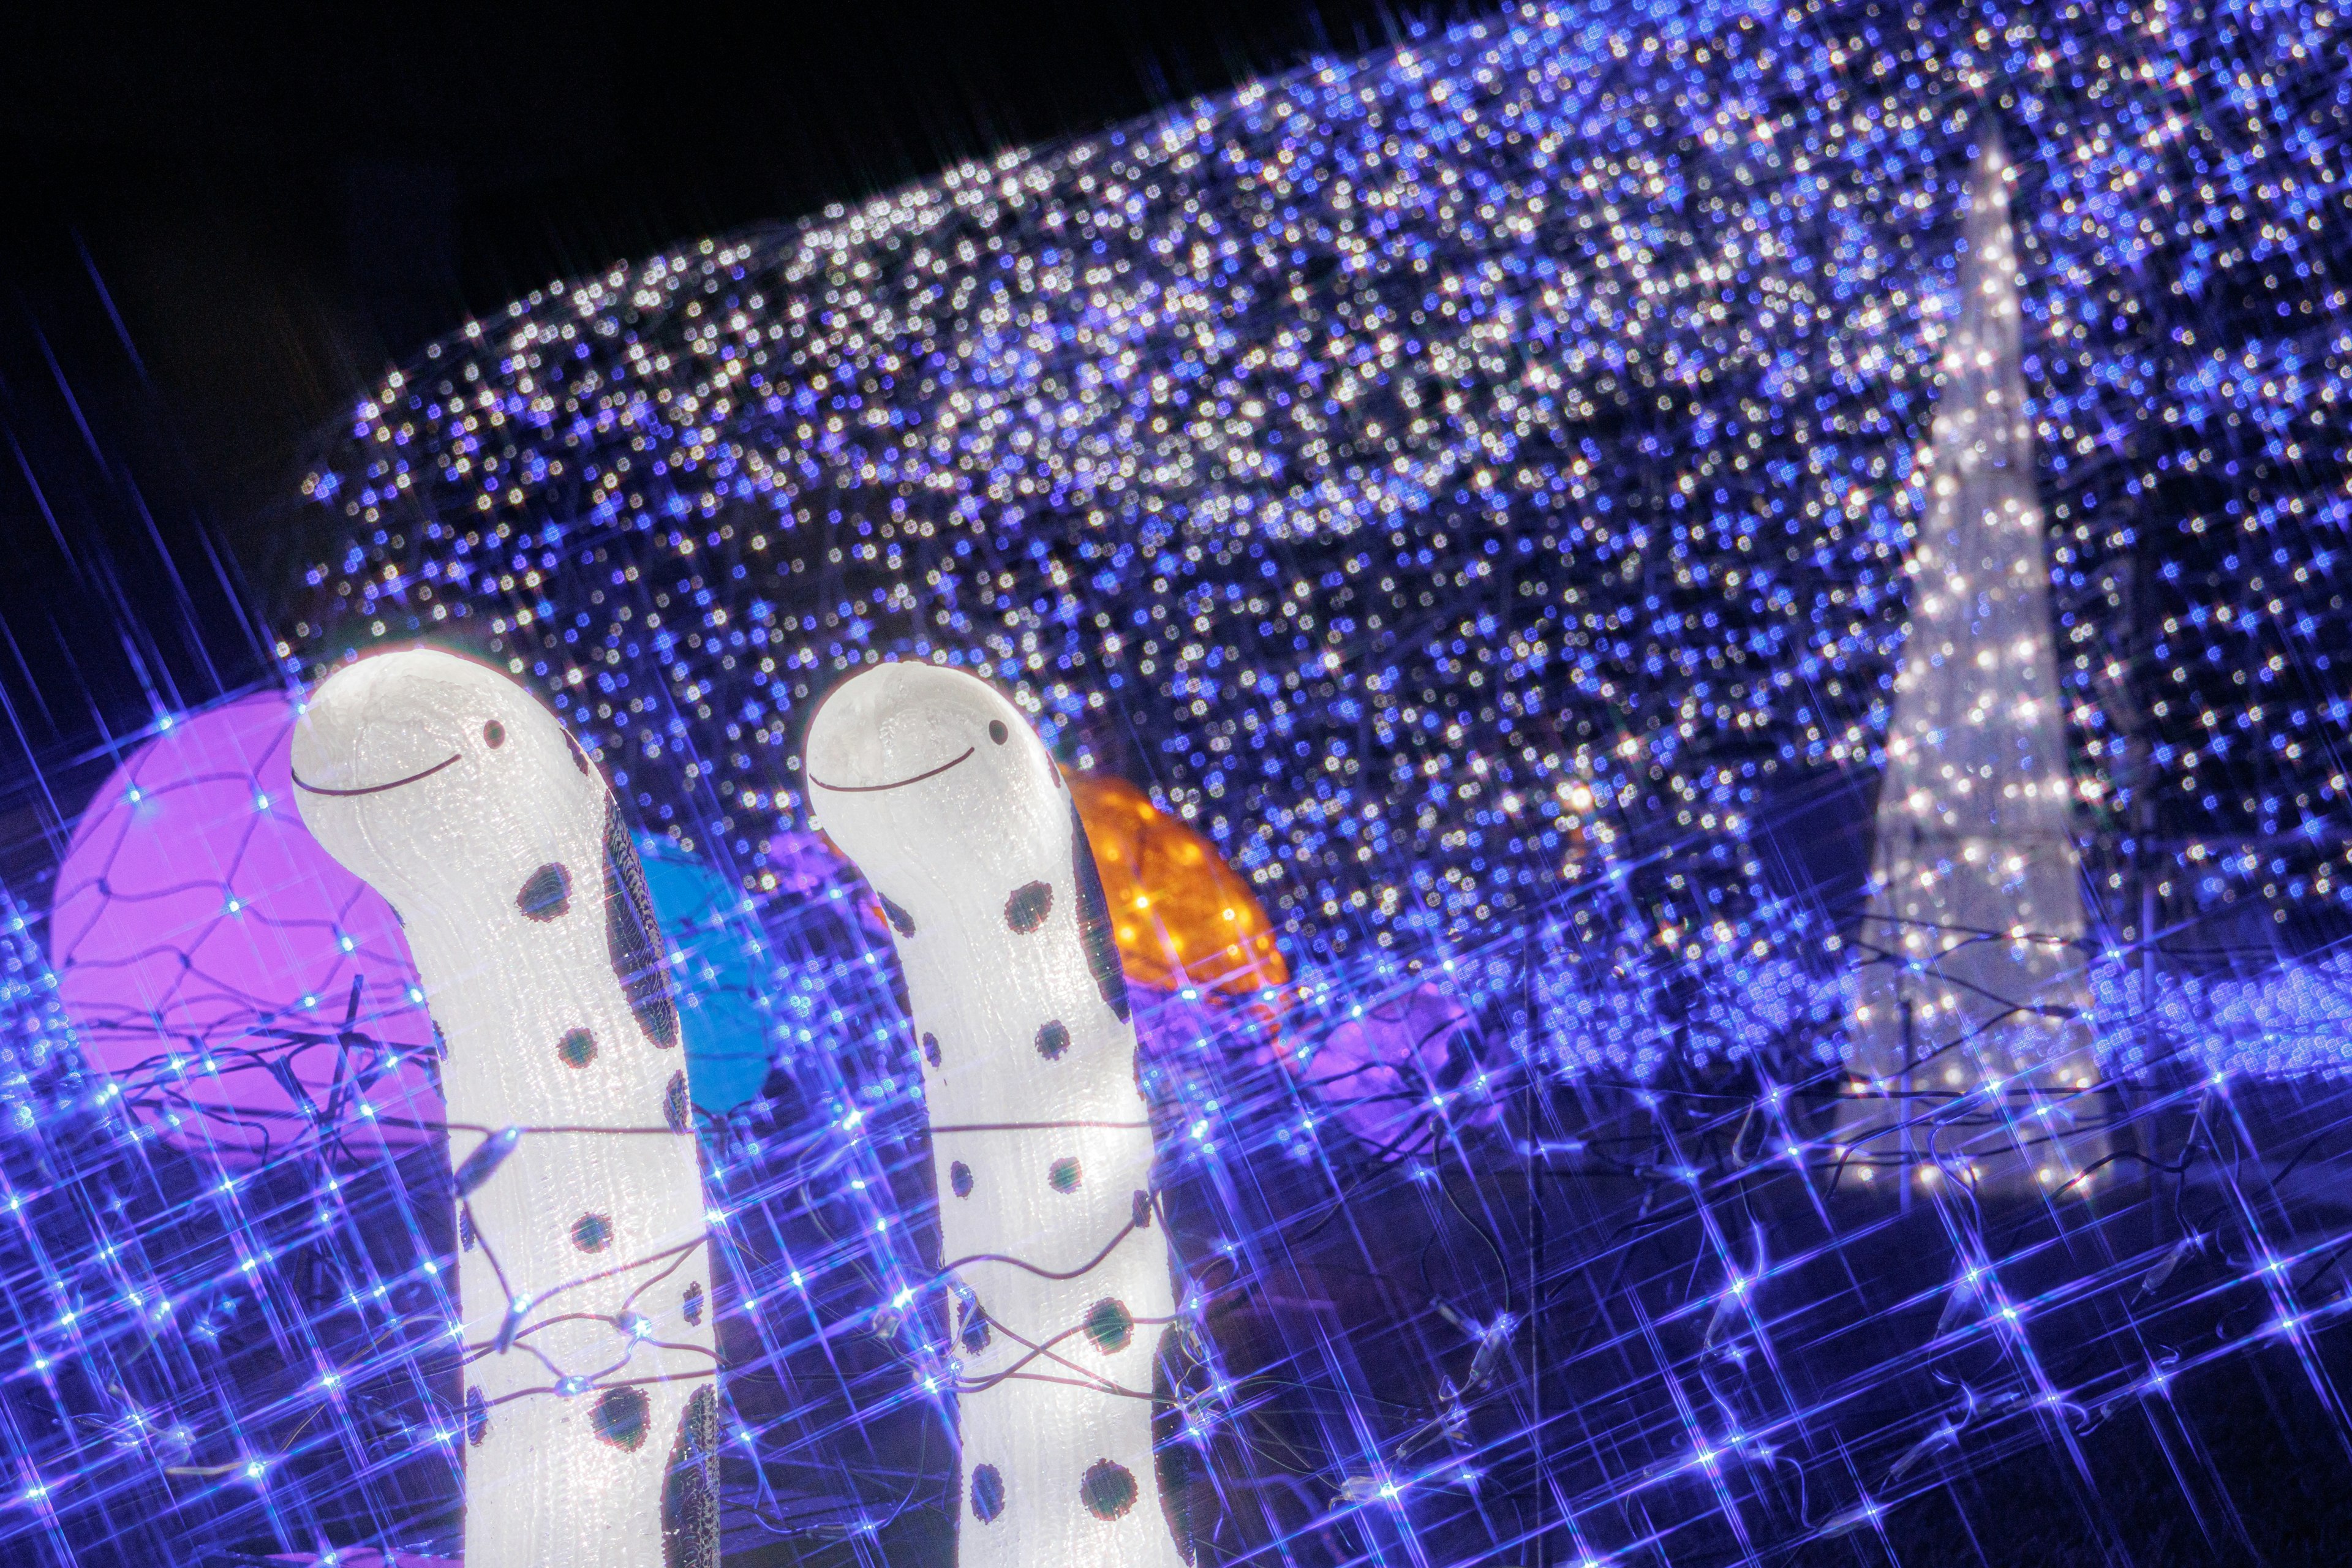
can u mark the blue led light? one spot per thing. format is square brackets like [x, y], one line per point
[1473, 485]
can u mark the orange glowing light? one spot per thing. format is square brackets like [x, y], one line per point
[1183, 917]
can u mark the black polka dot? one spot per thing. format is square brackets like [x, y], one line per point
[632, 938]
[677, 1108]
[1142, 1210]
[998, 733]
[1026, 909]
[1110, 1325]
[1053, 1039]
[973, 1333]
[1094, 921]
[620, 1417]
[494, 735]
[692, 1302]
[690, 1493]
[900, 920]
[591, 1232]
[960, 1178]
[477, 1417]
[1109, 1489]
[577, 1049]
[547, 894]
[1063, 1175]
[987, 1493]
[932, 1048]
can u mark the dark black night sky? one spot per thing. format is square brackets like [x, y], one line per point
[216, 231]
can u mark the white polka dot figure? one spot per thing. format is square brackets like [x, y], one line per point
[590, 1397]
[1041, 1142]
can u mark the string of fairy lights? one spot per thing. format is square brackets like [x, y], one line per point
[1399, 455]
[1473, 485]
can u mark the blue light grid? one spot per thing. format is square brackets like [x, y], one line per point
[1471, 485]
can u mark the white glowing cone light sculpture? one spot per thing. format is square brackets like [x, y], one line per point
[591, 1404]
[951, 807]
[1971, 968]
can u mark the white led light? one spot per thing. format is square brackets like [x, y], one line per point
[1954, 864]
[452, 792]
[934, 785]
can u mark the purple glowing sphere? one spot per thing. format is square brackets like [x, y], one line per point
[1403, 1071]
[247, 994]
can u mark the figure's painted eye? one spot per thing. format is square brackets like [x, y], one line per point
[494, 735]
[998, 733]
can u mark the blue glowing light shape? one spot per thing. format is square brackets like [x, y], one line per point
[717, 971]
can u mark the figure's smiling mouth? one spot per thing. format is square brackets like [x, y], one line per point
[378, 789]
[902, 784]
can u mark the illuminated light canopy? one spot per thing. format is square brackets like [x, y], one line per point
[460, 798]
[1390, 444]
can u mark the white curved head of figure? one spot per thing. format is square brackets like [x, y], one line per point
[425, 772]
[920, 774]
